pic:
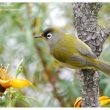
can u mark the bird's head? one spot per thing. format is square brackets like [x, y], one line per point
[52, 35]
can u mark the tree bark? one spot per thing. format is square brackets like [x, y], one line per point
[88, 31]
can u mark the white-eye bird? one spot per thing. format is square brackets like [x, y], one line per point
[72, 51]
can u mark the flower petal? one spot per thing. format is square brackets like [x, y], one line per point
[104, 100]
[20, 83]
[78, 102]
[5, 83]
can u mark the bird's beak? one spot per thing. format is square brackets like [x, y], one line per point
[38, 36]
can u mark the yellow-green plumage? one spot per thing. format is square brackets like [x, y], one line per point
[72, 51]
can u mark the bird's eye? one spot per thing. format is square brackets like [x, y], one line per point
[49, 35]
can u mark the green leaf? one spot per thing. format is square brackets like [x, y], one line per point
[19, 68]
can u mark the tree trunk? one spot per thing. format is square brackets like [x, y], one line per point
[88, 31]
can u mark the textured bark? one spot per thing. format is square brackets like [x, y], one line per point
[88, 30]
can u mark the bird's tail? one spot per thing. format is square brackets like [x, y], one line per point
[103, 66]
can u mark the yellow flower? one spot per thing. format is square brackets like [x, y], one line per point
[78, 102]
[103, 101]
[6, 81]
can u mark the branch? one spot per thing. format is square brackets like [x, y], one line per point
[51, 78]
[89, 32]
[47, 71]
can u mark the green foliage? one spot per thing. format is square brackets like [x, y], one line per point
[13, 98]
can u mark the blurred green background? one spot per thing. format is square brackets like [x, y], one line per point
[54, 85]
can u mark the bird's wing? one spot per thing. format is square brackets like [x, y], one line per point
[84, 49]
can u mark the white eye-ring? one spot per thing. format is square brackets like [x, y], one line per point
[49, 35]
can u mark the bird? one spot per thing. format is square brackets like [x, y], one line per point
[71, 51]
